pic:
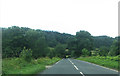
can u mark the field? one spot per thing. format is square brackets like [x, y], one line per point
[19, 66]
[111, 62]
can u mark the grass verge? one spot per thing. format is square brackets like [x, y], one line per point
[101, 61]
[19, 66]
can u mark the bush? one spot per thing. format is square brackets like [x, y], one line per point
[26, 54]
[85, 52]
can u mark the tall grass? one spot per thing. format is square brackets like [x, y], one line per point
[20, 66]
[111, 62]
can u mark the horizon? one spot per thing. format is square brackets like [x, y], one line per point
[60, 32]
[99, 17]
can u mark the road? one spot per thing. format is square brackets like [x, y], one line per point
[72, 67]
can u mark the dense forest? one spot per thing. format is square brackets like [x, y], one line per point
[40, 43]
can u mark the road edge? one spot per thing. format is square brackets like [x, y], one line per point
[99, 66]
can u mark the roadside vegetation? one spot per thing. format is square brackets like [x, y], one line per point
[104, 56]
[108, 61]
[26, 64]
[26, 50]
[20, 66]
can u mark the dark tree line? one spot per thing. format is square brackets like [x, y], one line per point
[51, 44]
[103, 41]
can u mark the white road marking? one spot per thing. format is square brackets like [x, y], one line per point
[82, 73]
[57, 62]
[73, 64]
[105, 67]
[99, 66]
[76, 67]
[48, 67]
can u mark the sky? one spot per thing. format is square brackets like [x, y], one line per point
[98, 17]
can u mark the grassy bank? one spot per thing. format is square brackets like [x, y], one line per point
[110, 62]
[19, 66]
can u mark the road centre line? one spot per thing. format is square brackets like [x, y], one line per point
[74, 65]
[82, 73]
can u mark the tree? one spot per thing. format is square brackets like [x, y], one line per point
[26, 54]
[13, 41]
[60, 50]
[84, 40]
[37, 43]
[114, 49]
[100, 41]
[71, 44]
[51, 52]
[15, 38]
[103, 51]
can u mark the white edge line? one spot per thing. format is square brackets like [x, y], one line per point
[54, 65]
[100, 66]
[57, 62]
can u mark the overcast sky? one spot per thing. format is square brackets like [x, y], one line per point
[99, 17]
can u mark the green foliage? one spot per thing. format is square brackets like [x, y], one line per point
[114, 49]
[103, 51]
[47, 60]
[47, 45]
[100, 41]
[84, 40]
[95, 52]
[102, 60]
[53, 38]
[85, 52]
[16, 38]
[51, 52]
[20, 66]
[72, 54]
[26, 54]
[37, 43]
[13, 41]
[60, 50]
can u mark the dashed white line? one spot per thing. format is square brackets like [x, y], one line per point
[82, 73]
[76, 67]
[73, 63]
